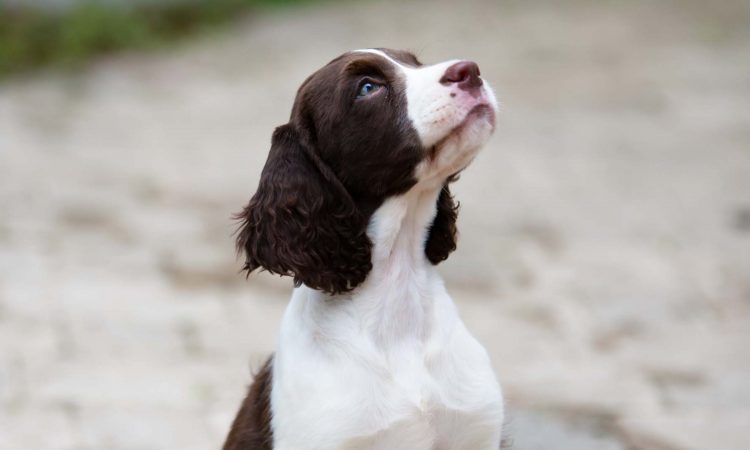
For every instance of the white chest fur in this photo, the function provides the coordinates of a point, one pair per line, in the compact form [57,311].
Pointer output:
[389,366]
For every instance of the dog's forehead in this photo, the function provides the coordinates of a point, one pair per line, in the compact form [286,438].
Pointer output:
[383,57]
[400,58]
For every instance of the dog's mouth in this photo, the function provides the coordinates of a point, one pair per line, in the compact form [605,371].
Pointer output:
[481,111]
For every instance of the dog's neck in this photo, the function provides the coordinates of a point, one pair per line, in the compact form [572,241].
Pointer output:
[398,230]
[396,297]
[394,304]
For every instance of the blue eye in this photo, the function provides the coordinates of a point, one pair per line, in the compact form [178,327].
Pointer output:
[367,89]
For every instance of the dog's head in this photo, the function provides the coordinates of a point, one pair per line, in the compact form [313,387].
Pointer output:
[369,125]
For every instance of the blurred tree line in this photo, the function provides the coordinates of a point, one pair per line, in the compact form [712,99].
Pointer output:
[65,34]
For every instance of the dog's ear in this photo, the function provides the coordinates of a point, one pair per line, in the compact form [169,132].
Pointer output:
[302,222]
[441,240]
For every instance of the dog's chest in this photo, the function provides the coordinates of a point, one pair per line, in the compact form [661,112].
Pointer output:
[418,409]
[430,393]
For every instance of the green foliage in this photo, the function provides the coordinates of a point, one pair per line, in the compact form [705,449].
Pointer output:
[34,37]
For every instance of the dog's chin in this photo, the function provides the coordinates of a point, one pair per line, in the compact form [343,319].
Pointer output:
[483,113]
[477,126]
[470,134]
[458,148]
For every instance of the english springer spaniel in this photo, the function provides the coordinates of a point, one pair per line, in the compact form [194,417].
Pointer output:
[354,203]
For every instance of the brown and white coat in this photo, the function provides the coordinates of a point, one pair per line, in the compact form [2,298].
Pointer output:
[354,203]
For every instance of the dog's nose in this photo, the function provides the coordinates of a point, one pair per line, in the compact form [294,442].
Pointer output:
[464,74]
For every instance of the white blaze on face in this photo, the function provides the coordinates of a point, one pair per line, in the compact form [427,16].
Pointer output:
[432,110]
[442,116]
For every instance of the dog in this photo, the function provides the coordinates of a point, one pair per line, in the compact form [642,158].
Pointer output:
[354,204]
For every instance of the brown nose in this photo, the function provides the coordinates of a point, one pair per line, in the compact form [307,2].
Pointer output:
[465,74]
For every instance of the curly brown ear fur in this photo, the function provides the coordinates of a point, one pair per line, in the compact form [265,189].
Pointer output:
[302,222]
[441,240]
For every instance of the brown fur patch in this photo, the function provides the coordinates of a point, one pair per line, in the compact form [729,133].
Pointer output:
[251,429]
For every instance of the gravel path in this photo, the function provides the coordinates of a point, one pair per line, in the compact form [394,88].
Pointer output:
[604,260]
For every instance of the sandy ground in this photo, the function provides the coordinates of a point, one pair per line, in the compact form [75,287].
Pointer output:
[605,251]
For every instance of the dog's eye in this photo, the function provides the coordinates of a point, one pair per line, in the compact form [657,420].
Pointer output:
[368,88]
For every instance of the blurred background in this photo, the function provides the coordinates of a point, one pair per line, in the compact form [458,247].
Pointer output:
[604,259]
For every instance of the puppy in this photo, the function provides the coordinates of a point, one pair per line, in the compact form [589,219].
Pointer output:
[354,204]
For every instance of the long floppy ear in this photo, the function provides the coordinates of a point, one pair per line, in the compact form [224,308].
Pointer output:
[441,240]
[302,222]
